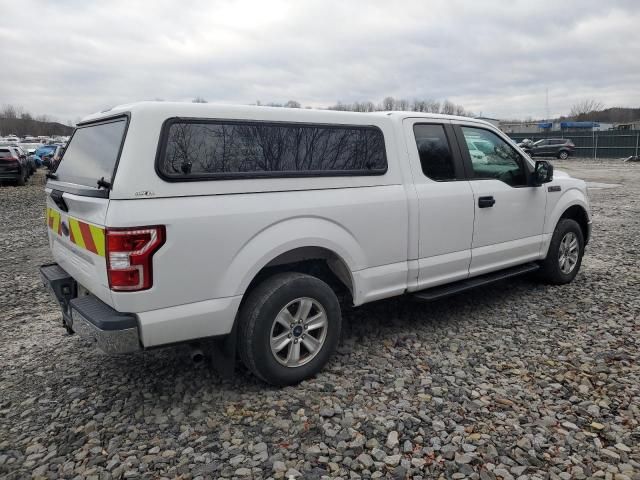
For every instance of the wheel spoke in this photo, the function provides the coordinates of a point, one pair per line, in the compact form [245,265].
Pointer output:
[303,310]
[281,341]
[285,318]
[315,322]
[293,357]
[311,343]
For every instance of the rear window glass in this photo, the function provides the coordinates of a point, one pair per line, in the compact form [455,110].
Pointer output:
[248,149]
[92,153]
[4,153]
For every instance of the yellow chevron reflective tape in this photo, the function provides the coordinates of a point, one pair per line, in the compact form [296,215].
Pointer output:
[98,239]
[56,221]
[74,226]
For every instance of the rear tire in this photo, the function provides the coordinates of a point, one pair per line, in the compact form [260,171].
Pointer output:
[565,253]
[288,328]
[563,155]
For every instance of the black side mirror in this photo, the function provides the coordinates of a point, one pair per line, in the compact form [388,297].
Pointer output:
[543,173]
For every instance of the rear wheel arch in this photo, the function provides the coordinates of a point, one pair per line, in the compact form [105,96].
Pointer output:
[319,262]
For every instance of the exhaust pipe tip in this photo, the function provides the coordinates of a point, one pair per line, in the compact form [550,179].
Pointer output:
[197,356]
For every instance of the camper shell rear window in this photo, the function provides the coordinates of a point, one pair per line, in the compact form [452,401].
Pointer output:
[93,152]
[200,149]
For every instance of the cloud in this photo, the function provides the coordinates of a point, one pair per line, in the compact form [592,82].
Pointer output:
[71,58]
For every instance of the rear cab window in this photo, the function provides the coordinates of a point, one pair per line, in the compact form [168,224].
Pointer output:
[92,153]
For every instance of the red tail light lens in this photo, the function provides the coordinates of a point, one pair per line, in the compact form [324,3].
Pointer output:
[129,256]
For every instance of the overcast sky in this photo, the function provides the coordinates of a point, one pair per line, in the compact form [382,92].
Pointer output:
[70,58]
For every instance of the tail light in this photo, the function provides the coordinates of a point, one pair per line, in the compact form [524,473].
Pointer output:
[129,256]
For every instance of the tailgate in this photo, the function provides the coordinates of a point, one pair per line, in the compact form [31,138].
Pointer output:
[77,239]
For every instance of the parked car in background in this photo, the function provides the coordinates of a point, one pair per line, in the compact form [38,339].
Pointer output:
[45,152]
[56,157]
[550,147]
[477,156]
[26,158]
[12,167]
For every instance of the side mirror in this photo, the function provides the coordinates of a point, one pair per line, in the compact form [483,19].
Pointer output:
[543,173]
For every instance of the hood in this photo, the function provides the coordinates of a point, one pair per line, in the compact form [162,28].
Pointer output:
[560,174]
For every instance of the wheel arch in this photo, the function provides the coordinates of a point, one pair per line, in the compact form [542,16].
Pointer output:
[579,214]
[327,249]
[320,262]
[573,204]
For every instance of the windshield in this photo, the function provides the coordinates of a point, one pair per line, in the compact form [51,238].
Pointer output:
[92,153]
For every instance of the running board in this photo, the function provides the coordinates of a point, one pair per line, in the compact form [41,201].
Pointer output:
[435,293]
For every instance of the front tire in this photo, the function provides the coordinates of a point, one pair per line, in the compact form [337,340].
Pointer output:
[288,328]
[563,155]
[565,253]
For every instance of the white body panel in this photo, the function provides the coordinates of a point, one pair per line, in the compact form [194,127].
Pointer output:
[393,233]
[510,232]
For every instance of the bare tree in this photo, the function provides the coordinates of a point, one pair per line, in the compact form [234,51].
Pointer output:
[199,100]
[9,112]
[402,104]
[585,109]
[448,108]
[292,104]
[388,103]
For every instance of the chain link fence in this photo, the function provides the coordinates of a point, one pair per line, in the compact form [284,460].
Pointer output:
[606,144]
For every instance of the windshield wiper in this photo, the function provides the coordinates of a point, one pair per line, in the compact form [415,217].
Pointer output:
[51,175]
[102,183]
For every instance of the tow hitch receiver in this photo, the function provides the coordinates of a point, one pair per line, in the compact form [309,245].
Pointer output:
[63,288]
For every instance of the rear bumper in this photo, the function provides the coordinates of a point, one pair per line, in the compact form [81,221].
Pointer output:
[89,317]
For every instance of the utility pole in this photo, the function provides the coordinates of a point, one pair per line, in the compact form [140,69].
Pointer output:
[546,103]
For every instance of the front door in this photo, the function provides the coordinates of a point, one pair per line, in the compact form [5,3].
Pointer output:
[445,202]
[509,213]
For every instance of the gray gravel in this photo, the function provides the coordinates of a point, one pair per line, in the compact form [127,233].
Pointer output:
[514,381]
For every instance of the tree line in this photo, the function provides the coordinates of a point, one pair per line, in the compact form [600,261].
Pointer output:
[16,121]
[387,104]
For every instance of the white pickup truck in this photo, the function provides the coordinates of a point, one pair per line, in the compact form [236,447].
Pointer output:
[173,222]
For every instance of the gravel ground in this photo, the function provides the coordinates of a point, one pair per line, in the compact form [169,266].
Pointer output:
[517,380]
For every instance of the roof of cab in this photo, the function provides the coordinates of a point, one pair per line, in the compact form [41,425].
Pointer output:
[212,110]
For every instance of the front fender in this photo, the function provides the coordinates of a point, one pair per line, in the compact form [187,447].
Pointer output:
[287,235]
[570,197]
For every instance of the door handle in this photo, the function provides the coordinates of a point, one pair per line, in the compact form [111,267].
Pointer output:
[486,202]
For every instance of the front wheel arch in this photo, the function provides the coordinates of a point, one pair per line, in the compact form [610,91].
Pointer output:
[579,214]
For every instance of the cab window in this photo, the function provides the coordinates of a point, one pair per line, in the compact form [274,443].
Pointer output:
[435,155]
[493,158]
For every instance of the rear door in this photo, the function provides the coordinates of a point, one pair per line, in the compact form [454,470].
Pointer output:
[77,206]
[445,202]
